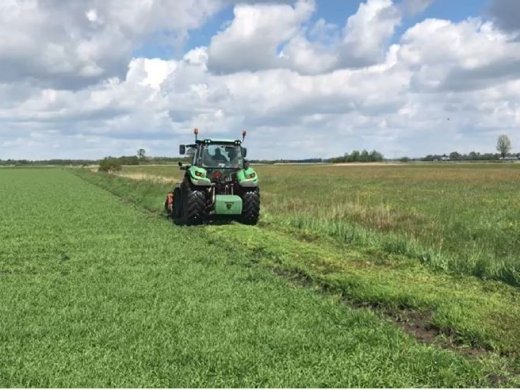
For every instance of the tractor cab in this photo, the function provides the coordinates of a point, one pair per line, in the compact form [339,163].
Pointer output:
[212,154]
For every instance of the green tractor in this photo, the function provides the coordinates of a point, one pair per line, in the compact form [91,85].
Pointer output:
[218,183]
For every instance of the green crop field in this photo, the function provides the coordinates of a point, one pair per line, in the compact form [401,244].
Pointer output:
[355,277]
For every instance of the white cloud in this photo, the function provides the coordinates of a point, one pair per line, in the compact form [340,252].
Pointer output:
[368,31]
[252,40]
[276,36]
[441,86]
[74,44]
[469,55]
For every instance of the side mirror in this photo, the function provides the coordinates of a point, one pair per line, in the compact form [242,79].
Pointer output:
[182,166]
[244,152]
[182,149]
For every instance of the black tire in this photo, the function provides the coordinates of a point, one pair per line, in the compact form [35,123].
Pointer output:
[194,207]
[250,207]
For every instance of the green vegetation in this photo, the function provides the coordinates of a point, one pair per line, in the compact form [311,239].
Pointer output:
[471,157]
[123,160]
[454,311]
[461,219]
[433,245]
[357,156]
[96,292]
[109,164]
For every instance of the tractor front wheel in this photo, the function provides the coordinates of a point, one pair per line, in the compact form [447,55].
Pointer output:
[250,207]
[194,207]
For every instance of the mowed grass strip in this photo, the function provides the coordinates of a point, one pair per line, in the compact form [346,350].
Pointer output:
[96,293]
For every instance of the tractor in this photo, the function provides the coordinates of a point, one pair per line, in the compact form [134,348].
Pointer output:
[218,183]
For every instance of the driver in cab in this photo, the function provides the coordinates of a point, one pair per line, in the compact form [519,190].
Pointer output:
[219,157]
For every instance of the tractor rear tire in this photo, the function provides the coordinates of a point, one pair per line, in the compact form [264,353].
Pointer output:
[250,207]
[194,207]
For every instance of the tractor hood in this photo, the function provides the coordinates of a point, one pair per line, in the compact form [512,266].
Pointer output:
[247,177]
[198,176]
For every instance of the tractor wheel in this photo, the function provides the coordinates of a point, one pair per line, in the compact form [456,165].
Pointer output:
[194,207]
[250,207]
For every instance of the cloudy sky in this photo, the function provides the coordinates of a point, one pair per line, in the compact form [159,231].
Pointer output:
[306,78]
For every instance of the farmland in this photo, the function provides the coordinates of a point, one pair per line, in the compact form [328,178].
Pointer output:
[356,276]
[461,218]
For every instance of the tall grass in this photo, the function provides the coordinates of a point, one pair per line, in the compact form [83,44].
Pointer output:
[457,218]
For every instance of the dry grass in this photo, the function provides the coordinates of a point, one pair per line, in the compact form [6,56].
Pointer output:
[146,177]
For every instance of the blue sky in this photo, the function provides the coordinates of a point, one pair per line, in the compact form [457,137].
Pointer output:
[456,10]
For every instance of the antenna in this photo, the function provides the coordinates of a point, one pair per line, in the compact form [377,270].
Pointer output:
[244,133]
[196,132]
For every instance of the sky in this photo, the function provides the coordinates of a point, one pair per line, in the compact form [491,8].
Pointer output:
[86,79]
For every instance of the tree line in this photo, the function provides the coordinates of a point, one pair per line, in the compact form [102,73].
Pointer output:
[114,163]
[472,156]
[503,148]
[359,156]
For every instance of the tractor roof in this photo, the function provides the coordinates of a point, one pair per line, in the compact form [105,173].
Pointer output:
[219,142]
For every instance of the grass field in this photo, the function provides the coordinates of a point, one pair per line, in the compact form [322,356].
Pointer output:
[333,288]
[461,218]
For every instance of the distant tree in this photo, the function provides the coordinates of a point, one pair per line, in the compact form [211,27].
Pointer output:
[354,156]
[375,156]
[504,145]
[404,159]
[357,156]
[141,154]
[455,156]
